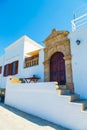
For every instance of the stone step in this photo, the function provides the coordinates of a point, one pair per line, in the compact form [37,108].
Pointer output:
[62,87]
[63,92]
[72,97]
[83,102]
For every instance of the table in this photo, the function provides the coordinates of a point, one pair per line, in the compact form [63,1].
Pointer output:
[31,79]
[34,79]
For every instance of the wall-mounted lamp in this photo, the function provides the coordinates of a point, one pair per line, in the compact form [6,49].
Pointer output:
[78,42]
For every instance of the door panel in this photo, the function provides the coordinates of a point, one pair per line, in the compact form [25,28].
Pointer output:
[57,68]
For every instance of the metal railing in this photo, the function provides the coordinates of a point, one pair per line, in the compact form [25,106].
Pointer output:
[79,22]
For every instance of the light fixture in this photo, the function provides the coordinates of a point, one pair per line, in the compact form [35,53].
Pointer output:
[78,42]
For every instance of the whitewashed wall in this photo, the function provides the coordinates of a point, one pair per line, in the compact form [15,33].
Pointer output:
[79,60]
[12,53]
[41,99]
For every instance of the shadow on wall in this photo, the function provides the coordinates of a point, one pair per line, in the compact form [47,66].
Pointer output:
[32,118]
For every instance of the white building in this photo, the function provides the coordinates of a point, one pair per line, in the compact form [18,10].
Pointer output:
[62,60]
[23,58]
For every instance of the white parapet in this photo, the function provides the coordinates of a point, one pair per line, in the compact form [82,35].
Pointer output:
[42,100]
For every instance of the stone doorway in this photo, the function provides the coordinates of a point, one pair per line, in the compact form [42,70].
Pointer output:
[58,42]
[57,68]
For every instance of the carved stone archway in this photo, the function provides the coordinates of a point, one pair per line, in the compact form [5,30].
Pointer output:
[58,41]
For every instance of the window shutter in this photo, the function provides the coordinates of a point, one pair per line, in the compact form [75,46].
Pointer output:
[10,69]
[4,70]
[14,68]
[16,72]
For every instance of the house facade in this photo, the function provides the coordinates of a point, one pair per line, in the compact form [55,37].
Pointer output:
[23,58]
[62,60]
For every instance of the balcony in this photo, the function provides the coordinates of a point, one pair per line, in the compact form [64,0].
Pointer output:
[31,61]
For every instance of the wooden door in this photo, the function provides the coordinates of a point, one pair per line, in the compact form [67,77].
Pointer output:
[57,68]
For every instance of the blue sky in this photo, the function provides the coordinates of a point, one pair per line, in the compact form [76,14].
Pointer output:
[35,18]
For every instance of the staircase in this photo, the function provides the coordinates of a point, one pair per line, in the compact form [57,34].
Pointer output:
[74,98]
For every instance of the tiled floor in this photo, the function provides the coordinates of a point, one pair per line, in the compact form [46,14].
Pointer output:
[13,119]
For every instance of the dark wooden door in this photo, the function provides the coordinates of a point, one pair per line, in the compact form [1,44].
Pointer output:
[57,68]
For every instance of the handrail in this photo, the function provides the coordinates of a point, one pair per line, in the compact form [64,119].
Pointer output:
[79,22]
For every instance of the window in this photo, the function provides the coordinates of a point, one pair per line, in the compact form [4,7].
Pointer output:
[14,67]
[0,69]
[6,70]
[11,69]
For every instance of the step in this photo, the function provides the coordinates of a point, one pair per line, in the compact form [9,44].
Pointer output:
[62,87]
[83,102]
[63,92]
[73,97]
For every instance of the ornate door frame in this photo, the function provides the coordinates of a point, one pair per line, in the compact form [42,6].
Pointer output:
[58,41]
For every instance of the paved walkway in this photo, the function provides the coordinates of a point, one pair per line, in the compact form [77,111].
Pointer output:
[13,119]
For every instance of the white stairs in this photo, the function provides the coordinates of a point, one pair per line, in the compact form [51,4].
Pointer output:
[74,98]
